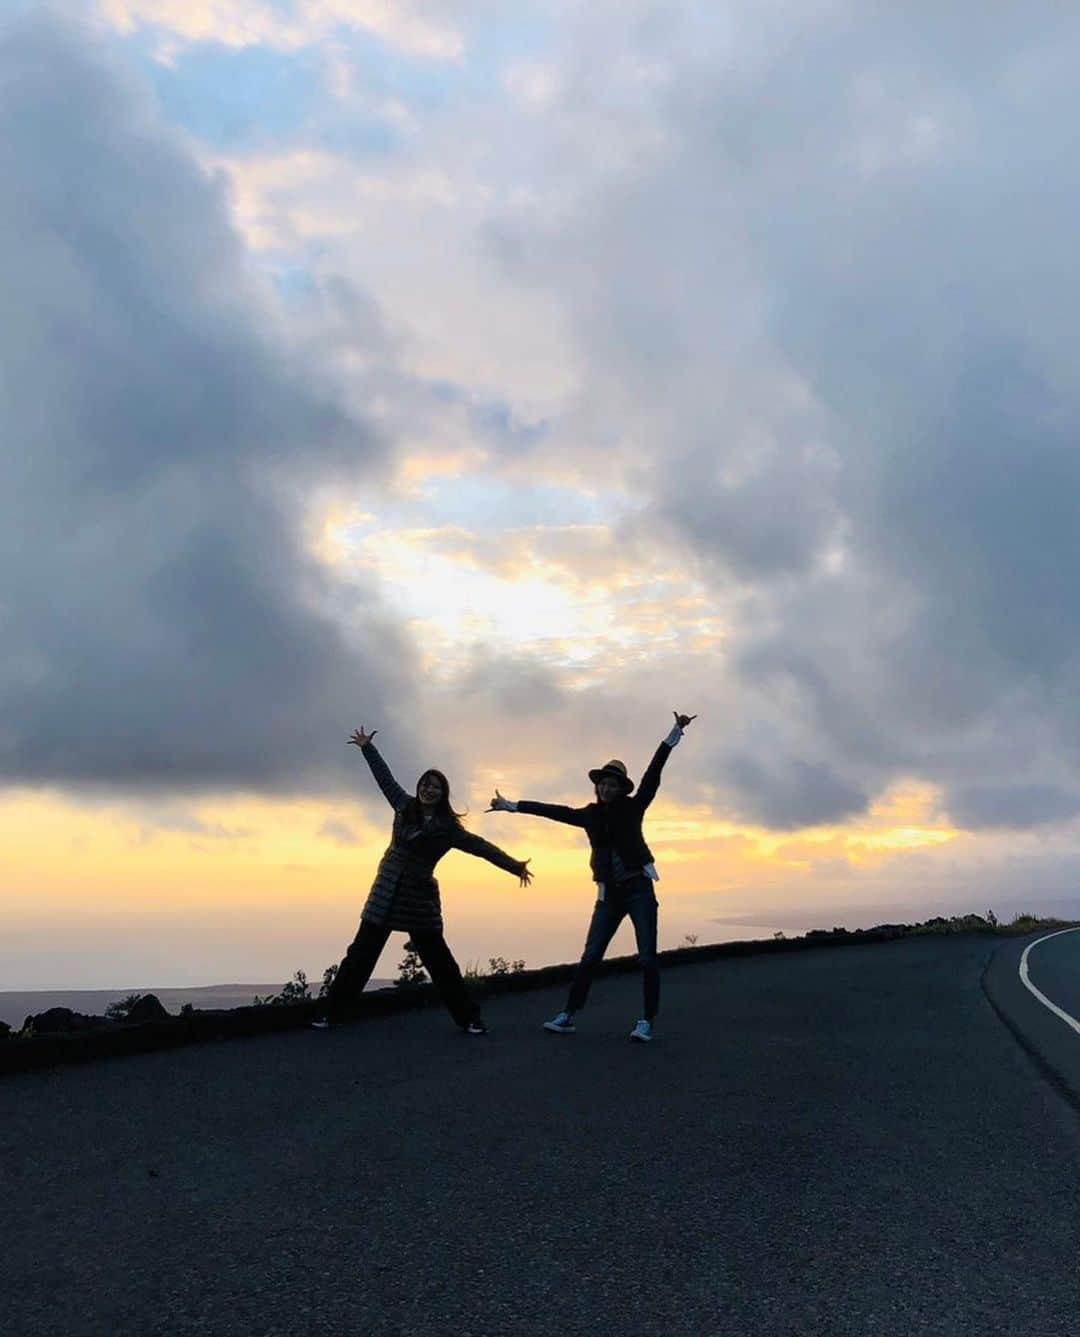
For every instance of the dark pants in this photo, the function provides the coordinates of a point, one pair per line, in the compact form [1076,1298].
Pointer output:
[355,970]
[634,897]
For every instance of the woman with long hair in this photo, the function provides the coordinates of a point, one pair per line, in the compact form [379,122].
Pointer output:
[405,895]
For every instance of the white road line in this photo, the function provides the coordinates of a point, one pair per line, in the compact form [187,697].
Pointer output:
[1026,980]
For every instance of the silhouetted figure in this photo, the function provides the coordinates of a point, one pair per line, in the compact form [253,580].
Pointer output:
[405,894]
[624,872]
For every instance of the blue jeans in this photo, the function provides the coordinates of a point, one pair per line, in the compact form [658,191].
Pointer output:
[634,897]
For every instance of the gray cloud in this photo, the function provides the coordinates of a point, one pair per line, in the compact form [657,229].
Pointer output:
[510,686]
[792,792]
[813,265]
[341,833]
[830,301]
[1012,805]
[162,625]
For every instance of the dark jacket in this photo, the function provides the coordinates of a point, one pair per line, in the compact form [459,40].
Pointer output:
[405,894]
[615,825]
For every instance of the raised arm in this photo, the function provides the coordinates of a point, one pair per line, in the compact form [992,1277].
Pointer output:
[650,781]
[484,849]
[555,812]
[395,795]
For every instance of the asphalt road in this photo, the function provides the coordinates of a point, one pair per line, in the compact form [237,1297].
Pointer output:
[1053,970]
[839,1141]
[1052,967]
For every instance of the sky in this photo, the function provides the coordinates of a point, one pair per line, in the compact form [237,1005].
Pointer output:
[505,378]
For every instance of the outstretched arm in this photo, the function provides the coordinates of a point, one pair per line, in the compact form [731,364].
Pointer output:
[555,812]
[650,781]
[484,849]
[395,795]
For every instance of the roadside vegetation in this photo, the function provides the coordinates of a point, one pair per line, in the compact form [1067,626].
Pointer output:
[122,1008]
[1020,924]
[296,990]
[411,973]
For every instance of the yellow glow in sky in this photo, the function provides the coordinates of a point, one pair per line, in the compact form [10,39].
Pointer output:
[251,888]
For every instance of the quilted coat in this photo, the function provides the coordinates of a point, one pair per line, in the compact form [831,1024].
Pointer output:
[405,894]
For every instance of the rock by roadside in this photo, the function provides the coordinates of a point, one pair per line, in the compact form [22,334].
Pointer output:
[61,1021]
[146,1008]
[66,1021]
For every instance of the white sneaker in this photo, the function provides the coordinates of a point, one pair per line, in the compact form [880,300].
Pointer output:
[642,1031]
[563,1024]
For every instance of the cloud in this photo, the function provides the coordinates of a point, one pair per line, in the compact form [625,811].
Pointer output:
[298,23]
[779,290]
[340,833]
[510,688]
[1013,805]
[822,312]
[163,626]
[793,792]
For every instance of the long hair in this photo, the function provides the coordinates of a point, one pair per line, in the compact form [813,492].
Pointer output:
[415,813]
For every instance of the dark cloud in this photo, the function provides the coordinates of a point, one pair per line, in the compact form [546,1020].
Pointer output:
[1012,805]
[790,792]
[162,625]
[510,686]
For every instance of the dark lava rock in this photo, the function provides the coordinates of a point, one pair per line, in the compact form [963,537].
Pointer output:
[61,1020]
[147,1008]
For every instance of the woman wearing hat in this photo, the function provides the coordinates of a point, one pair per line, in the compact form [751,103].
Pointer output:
[623,869]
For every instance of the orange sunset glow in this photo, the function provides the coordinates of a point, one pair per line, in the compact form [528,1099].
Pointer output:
[294,874]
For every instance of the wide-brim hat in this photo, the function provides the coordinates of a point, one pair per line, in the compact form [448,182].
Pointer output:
[614,770]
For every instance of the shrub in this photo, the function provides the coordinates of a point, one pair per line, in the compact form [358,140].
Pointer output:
[119,1010]
[498,965]
[297,990]
[410,971]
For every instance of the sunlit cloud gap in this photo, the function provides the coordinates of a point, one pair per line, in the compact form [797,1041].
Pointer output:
[287,26]
[566,590]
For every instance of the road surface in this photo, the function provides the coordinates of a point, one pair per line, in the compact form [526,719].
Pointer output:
[857,1140]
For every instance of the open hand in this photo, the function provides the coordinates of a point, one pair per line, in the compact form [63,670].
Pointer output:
[498,804]
[525,877]
[683,720]
[360,738]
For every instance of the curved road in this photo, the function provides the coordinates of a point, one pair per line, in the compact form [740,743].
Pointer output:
[1051,960]
[1035,984]
[836,1141]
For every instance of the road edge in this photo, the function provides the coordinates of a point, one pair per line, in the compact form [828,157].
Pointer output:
[1047,1042]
